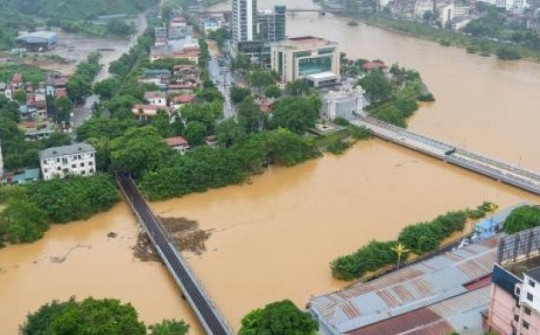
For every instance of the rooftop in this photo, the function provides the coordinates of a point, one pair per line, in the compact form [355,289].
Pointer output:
[306,41]
[154,95]
[535,274]
[66,150]
[432,281]
[176,141]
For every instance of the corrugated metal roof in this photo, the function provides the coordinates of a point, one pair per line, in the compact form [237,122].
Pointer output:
[414,287]
[457,313]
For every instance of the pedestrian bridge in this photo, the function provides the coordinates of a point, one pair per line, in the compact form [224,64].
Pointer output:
[504,172]
[209,316]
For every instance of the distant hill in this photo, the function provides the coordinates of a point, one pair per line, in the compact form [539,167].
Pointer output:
[76,9]
[16,15]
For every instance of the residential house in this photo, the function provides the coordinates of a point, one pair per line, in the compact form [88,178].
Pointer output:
[180,100]
[211,140]
[17,82]
[74,159]
[21,177]
[156,98]
[146,112]
[178,22]
[375,65]
[186,77]
[178,143]
[158,77]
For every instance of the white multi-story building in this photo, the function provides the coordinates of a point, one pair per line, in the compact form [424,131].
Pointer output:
[244,20]
[347,103]
[74,159]
[306,57]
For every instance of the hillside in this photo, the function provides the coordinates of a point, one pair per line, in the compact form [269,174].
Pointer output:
[75,9]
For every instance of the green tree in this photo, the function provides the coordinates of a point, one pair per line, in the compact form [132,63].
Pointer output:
[522,218]
[249,115]
[169,327]
[273,91]
[119,27]
[162,123]
[238,94]
[229,132]
[20,96]
[195,133]
[138,150]
[22,221]
[297,87]
[106,88]
[296,113]
[90,317]
[377,86]
[281,317]
[63,108]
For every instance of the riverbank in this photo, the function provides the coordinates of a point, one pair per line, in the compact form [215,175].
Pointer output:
[473,45]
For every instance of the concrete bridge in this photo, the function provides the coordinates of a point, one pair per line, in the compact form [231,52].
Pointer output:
[504,172]
[209,316]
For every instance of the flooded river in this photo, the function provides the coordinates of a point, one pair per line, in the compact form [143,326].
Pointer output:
[273,238]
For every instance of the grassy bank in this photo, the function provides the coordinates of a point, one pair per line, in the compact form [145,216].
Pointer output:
[481,46]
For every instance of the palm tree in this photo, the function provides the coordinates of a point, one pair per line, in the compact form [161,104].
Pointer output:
[399,249]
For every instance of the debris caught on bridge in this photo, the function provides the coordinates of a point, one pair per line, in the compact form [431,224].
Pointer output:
[185,233]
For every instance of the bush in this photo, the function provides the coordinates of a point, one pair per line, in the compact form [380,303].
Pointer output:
[522,218]
[338,147]
[360,133]
[507,53]
[370,257]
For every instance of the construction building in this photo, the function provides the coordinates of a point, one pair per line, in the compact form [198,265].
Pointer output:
[244,20]
[271,25]
[37,40]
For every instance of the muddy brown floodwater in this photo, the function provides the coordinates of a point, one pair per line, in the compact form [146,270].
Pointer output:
[274,239]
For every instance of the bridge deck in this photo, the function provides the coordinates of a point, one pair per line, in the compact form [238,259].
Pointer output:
[210,318]
[491,167]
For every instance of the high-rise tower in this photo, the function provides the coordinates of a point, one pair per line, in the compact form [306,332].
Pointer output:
[244,20]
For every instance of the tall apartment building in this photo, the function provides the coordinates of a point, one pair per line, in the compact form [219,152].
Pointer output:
[74,159]
[271,24]
[244,20]
[514,306]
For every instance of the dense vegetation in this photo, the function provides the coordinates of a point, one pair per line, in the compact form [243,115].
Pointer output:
[281,317]
[487,35]
[79,85]
[94,317]
[419,238]
[31,207]
[17,152]
[522,218]
[30,73]
[204,168]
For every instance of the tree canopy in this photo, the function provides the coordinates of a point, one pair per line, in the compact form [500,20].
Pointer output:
[297,113]
[522,218]
[278,318]
[94,317]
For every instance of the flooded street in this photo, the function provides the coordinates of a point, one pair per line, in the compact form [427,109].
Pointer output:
[274,238]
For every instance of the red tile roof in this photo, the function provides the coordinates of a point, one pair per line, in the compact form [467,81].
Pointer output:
[17,78]
[176,141]
[374,65]
[183,99]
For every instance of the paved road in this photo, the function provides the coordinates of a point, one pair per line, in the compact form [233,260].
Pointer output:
[207,314]
[223,79]
[83,113]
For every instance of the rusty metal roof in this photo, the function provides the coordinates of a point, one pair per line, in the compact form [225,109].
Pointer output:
[423,284]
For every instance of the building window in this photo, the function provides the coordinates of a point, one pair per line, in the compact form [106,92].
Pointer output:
[518,291]
[45,170]
[529,296]
[82,164]
[58,168]
[525,325]
[531,283]
[73,166]
[527,311]
[516,318]
[90,163]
